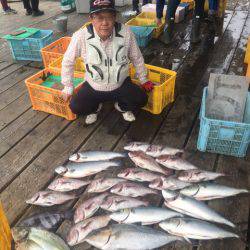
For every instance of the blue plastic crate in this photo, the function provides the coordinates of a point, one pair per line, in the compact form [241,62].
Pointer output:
[29,48]
[143,35]
[224,137]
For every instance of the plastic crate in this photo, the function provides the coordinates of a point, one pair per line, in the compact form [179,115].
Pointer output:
[248,71]
[150,15]
[190,2]
[146,22]
[163,92]
[29,48]
[143,35]
[54,50]
[224,137]
[247,55]
[48,99]
[79,66]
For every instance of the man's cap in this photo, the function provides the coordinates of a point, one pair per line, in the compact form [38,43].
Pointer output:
[101,5]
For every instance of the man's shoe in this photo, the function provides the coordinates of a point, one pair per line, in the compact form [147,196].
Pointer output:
[167,36]
[195,32]
[92,118]
[38,13]
[28,12]
[9,11]
[128,116]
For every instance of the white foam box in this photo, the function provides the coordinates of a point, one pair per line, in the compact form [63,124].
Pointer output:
[151,7]
[179,14]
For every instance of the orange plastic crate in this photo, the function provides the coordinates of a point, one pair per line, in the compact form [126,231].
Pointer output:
[47,99]
[54,50]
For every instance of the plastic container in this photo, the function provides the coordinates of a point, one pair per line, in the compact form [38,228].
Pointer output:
[79,66]
[224,137]
[247,55]
[55,50]
[48,99]
[150,15]
[190,2]
[68,6]
[146,22]
[163,92]
[61,23]
[29,48]
[5,233]
[143,35]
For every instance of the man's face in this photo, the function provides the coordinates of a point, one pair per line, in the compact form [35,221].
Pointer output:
[103,23]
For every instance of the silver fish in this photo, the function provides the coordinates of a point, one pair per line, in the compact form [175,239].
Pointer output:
[152,149]
[209,191]
[66,184]
[138,174]
[88,207]
[96,156]
[147,162]
[192,207]
[130,237]
[79,170]
[31,238]
[131,189]
[144,215]
[47,220]
[195,229]
[175,162]
[171,183]
[50,198]
[117,202]
[103,184]
[198,175]
[79,231]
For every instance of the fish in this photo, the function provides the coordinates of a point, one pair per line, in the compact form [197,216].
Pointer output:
[175,162]
[88,207]
[117,202]
[195,229]
[66,184]
[130,237]
[198,175]
[47,220]
[209,191]
[96,156]
[193,208]
[103,184]
[144,215]
[31,238]
[152,149]
[83,169]
[171,183]
[131,189]
[147,162]
[50,198]
[138,174]
[79,231]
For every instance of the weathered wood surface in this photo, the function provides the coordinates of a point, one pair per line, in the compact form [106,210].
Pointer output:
[33,143]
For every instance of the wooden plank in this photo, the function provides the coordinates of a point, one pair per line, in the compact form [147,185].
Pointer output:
[14,92]
[14,110]
[8,70]
[4,65]
[242,5]
[223,54]
[18,129]
[16,160]
[41,170]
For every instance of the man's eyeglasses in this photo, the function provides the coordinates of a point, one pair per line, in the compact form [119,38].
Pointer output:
[100,18]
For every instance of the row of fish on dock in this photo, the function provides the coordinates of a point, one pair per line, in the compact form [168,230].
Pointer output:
[160,171]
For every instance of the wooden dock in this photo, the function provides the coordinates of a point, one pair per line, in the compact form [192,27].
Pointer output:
[33,143]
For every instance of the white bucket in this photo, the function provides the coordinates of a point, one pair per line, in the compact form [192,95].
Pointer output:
[61,23]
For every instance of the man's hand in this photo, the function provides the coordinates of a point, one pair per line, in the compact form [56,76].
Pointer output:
[148,86]
[158,22]
[67,93]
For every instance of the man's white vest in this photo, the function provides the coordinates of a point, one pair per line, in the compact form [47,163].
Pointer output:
[101,68]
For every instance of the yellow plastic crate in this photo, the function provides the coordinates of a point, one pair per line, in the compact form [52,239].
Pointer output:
[191,3]
[147,22]
[5,234]
[247,55]
[150,15]
[163,92]
[79,66]
[248,71]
